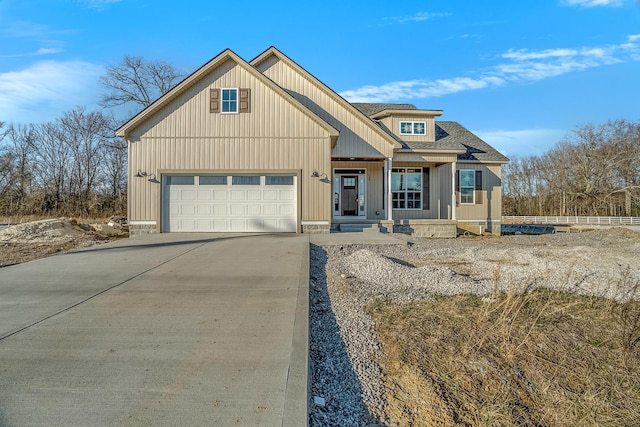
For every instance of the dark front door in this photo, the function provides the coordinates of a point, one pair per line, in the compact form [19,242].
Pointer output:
[349,197]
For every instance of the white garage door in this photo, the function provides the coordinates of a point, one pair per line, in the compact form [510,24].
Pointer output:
[229,203]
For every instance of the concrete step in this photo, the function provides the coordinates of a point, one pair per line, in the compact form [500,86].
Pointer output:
[359,228]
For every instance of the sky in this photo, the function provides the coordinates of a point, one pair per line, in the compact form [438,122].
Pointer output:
[521,74]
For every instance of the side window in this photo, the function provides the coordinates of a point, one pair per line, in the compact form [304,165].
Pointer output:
[467,186]
[229,100]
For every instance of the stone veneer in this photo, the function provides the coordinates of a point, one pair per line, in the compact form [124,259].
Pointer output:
[438,229]
[138,230]
[316,229]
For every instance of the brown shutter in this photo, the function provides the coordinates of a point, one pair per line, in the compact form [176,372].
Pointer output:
[214,106]
[425,189]
[478,195]
[245,101]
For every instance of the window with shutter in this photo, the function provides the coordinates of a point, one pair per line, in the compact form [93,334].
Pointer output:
[478,190]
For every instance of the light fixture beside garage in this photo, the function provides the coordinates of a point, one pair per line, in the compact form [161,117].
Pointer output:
[143,174]
[315,174]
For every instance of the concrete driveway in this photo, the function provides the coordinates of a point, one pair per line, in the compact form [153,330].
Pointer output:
[206,329]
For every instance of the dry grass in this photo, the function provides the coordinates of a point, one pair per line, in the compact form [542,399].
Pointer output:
[542,359]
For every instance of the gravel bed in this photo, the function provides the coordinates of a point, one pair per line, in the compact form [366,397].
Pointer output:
[346,382]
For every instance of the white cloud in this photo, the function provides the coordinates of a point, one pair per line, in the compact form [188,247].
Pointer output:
[44,90]
[523,65]
[418,17]
[633,38]
[594,3]
[523,142]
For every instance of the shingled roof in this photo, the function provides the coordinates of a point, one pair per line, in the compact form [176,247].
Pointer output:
[449,136]
[477,149]
[370,109]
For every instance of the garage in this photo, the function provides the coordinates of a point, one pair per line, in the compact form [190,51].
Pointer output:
[229,203]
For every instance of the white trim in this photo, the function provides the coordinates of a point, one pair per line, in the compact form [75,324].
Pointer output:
[142,222]
[237,100]
[413,124]
[315,223]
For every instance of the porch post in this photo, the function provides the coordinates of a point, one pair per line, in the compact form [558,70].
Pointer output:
[387,175]
[453,191]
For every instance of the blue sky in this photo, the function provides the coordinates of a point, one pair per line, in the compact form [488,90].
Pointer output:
[519,73]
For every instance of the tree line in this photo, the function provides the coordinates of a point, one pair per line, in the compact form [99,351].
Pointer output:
[74,165]
[594,171]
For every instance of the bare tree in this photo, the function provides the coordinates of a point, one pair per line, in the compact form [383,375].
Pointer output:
[137,81]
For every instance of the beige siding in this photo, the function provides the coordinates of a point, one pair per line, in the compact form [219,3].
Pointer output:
[424,158]
[393,124]
[491,207]
[188,114]
[375,188]
[357,137]
[184,135]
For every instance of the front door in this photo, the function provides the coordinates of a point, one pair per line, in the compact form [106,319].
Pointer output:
[349,196]
[349,193]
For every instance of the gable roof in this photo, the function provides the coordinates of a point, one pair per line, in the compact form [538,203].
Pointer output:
[273,51]
[124,130]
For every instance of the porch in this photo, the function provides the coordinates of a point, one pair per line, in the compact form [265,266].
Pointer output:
[427,228]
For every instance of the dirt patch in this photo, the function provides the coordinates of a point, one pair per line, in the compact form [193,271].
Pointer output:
[38,239]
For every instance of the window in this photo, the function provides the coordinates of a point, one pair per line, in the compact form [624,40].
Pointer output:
[213,180]
[413,128]
[467,186]
[245,180]
[229,100]
[278,180]
[180,180]
[406,188]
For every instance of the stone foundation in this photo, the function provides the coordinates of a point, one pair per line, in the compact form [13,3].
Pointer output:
[429,228]
[138,230]
[316,228]
[473,228]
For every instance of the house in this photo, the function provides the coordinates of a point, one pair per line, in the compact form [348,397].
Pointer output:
[264,146]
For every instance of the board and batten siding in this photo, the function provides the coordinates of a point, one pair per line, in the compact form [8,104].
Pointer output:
[491,206]
[393,124]
[184,135]
[357,137]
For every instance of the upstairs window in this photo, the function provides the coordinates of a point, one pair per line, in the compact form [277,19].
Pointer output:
[413,128]
[229,100]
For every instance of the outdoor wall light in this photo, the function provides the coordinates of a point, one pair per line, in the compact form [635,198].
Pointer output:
[315,174]
[143,174]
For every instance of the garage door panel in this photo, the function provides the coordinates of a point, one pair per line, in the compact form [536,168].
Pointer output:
[254,194]
[237,210]
[204,195]
[270,195]
[253,210]
[204,210]
[286,195]
[238,195]
[193,205]
[220,195]
[220,210]
[187,195]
